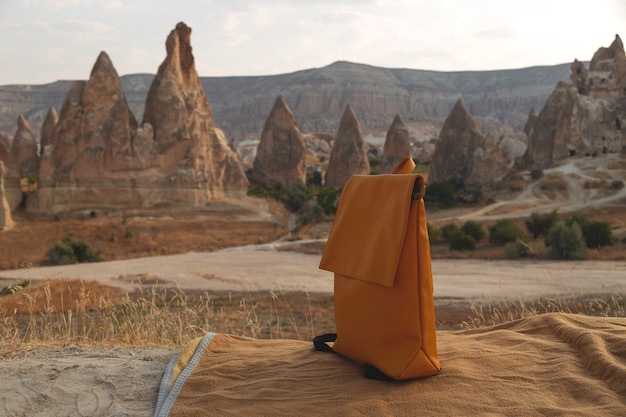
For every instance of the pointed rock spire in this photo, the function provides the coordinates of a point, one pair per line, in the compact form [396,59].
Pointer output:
[5,151]
[280,156]
[349,153]
[397,145]
[455,147]
[47,129]
[24,149]
[180,117]
[530,123]
[6,222]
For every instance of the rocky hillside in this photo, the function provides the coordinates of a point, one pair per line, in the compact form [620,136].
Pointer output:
[497,99]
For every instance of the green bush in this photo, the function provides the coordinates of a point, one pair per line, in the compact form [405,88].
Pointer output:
[69,251]
[328,198]
[598,234]
[434,233]
[566,242]
[441,193]
[595,233]
[461,241]
[536,174]
[448,229]
[505,231]
[540,224]
[474,229]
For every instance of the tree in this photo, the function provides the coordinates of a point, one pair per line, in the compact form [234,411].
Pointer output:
[540,224]
[566,242]
[505,231]
[474,229]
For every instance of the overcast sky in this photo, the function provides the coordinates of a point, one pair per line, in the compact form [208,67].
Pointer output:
[45,40]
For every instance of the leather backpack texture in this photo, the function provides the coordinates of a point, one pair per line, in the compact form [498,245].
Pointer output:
[379,252]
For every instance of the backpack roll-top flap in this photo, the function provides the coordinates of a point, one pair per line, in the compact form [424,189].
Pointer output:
[367,236]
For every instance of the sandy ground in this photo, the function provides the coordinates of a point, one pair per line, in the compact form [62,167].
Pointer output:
[77,381]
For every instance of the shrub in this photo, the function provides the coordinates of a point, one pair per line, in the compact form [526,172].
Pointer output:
[595,233]
[540,224]
[598,234]
[441,193]
[69,251]
[461,241]
[505,231]
[434,233]
[536,174]
[510,251]
[566,242]
[474,229]
[448,230]
[328,198]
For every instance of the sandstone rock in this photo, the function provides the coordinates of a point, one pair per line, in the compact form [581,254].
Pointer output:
[280,156]
[606,77]
[6,222]
[191,152]
[100,158]
[397,145]
[24,152]
[47,129]
[349,153]
[523,249]
[454,151]
[5,150]
[572,124]
[530,123]
[489,164]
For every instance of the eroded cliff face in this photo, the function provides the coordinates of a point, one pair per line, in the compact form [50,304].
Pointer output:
[24,150]
[99,157]
[349,152]
[281,154]
[585,116]
[6,221]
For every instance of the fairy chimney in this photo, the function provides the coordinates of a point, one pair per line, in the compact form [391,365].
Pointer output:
[280,156]
[47,129]
[6,222]
[191,151]
[349,154]
[24,149]
[397,145]
[454,151]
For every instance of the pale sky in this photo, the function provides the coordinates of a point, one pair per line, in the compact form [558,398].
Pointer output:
[45,40]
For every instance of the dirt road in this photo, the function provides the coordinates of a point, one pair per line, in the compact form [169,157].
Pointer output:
[262,267]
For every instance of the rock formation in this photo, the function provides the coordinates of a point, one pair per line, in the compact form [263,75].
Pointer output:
[100,158]
[5,150]
[24,151]
[280,156]
[349,154]
[6,222]
[192,153]
[397,145]
[606,77]
[530,123]
[585,116]
[47,129]
[489,163]
[458,139]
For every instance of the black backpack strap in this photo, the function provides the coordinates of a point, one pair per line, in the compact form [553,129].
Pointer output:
[320,343]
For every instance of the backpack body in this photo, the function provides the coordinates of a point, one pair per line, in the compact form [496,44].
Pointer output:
[379,252]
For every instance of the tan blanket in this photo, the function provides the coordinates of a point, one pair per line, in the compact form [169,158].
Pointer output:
[548,365]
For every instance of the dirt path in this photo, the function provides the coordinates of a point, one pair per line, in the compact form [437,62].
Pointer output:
[262,267]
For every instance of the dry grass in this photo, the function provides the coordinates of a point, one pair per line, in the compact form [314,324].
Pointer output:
[497,311]
[84,312]
[164,317]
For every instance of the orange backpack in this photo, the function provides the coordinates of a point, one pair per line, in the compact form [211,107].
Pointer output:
[379,252]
